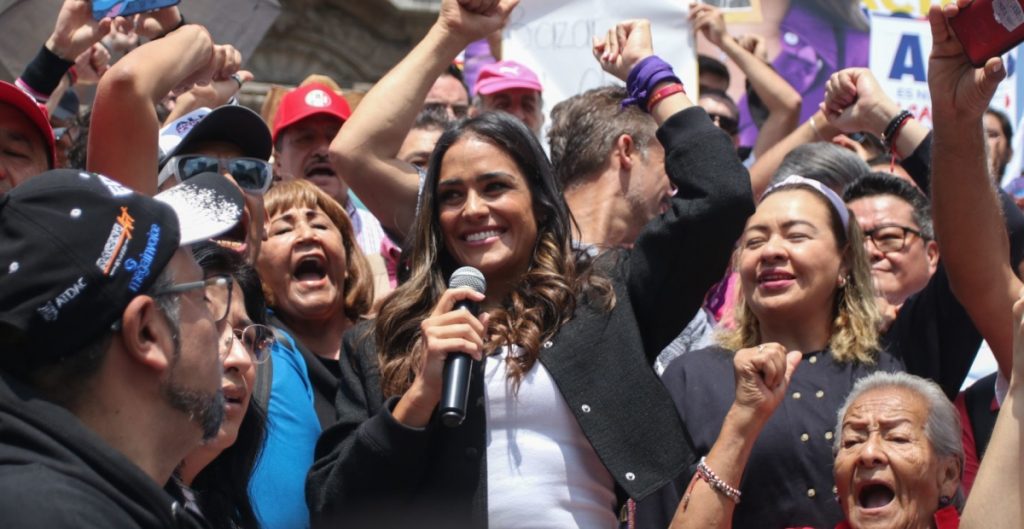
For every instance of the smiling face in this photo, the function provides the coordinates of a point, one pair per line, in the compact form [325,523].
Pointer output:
[303,264]
[887,473]
[899,274]
[302,152]
[789,261]
[485,210]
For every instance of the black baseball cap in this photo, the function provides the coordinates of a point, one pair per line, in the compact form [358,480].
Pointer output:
[229,123]
[77,247]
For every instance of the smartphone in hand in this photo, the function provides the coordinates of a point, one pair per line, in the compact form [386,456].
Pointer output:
[121,8]
[989,28]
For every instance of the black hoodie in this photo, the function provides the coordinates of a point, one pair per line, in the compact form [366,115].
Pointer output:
[56,473]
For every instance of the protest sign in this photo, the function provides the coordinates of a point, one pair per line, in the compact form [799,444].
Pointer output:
[555,39]
[899,59]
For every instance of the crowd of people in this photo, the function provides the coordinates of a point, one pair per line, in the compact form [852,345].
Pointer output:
[217,318]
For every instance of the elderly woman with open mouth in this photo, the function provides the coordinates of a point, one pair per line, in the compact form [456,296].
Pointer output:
[318,285]
[898,456]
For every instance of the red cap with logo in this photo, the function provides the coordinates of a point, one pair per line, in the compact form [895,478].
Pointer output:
[36,113]
[306,101]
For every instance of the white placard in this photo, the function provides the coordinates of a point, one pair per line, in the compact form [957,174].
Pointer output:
[899,59]
[554,39]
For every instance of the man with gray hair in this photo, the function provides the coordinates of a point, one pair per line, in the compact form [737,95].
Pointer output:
[109,370]
[610,164]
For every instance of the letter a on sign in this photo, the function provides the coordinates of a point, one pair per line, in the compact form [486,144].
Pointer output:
[909,60]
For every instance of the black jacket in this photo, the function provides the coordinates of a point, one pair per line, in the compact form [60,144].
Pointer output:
[56,473]
[372,471]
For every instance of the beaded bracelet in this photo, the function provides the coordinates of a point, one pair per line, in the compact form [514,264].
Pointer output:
[716,483]
[893,128]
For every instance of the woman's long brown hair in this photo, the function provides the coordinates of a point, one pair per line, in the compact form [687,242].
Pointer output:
[543,299]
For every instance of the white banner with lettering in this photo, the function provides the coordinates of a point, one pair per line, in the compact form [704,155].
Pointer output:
[555,39]
[899,59]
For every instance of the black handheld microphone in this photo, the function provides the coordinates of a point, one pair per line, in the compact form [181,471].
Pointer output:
[455,386]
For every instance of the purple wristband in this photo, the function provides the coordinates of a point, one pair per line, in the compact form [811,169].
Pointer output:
[644,77]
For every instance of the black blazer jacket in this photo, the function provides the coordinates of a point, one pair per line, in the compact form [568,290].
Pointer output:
[372,471]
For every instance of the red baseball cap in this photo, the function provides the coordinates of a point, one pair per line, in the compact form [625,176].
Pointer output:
[35,112]
[309,100]
[505,75]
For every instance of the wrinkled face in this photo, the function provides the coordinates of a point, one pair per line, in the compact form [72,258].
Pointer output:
[192,384]
[522,103]
[649,186]
[999,151]
[248,236]
[897,274]
[449,92]
[22,151]
[418,146]
[239,371]
[886,472]
[789,262]
[303,153]
[303,264]
[486,210]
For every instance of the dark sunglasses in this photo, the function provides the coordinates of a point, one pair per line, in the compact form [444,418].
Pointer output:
[252,174]
[729,125]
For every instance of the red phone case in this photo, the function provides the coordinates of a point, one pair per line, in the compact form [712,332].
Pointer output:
[988,28]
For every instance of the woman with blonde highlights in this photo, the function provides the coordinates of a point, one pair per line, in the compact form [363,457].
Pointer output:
[805,290]
[565,414]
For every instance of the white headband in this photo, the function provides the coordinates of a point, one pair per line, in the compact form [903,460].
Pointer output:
[833,198]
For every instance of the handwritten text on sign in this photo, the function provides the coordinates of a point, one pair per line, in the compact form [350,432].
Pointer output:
[555,38]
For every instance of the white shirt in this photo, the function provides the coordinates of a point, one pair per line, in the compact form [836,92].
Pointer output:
[542,471]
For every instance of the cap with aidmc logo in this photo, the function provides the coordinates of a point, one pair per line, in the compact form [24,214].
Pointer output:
[307,101]
[77,247]
[505,75]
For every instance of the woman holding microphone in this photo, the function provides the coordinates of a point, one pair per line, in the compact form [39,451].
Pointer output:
[566,418]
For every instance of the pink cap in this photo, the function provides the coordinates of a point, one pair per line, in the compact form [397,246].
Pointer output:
[505,75]
[306,101]
[35,112]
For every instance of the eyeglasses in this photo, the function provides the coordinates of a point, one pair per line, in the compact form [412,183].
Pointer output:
[72,132]
[217,294]
[257,340]
[457,110]
[726,123]
[891,238]
[252,174]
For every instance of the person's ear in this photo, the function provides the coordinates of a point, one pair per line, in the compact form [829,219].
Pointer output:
[146,334]
[931,249]
[950,470]
[623,151]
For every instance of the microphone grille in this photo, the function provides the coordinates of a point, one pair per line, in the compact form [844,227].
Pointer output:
[467,276]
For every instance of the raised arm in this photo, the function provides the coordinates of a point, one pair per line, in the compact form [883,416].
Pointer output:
[854,102]
[975,253]
[817,128]
[782,100]
[682,252]
[365,151]
[996,499]
[124,127]
[762,376]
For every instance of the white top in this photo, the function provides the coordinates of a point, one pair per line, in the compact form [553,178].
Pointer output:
[541,470]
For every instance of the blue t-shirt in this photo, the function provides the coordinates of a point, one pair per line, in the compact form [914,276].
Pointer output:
[277,488]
